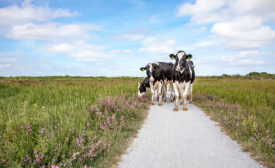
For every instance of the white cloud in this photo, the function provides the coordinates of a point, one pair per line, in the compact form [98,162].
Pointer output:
[239,24]
[135,35]
[80,50]
[8,56]
[212,11]
[32,22]
[49,31]
[244,33]
[158,46]
[199,30]
[4,66]
[121,51]
[14,15]
[204,43]
[203,11]
[128,36]
[250,57]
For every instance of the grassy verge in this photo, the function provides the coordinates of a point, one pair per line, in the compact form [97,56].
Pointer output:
[246,111]
[67,122]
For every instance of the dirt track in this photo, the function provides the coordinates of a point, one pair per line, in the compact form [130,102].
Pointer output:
[183,139]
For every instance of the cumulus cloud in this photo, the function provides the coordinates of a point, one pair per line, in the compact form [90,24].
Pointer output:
[4,66]
[8,56]
[131,36]
[32,22]
[239,24]
[212,11]
[49,31]
[204,43]
[14,15]
[121,51]
[80,50]
[250,57]
[203,11]
[244,33]
[158,46]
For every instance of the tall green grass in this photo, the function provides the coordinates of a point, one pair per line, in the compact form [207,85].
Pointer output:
[245,108]
[67,122]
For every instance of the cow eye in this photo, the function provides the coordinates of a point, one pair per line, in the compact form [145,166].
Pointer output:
[156,67]
[144,85]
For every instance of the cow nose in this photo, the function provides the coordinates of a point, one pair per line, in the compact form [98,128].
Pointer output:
[178,68]
[151,79]
[140,96]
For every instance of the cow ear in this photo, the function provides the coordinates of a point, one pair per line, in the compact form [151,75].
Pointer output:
[189,56]
[143,68]
[172,56]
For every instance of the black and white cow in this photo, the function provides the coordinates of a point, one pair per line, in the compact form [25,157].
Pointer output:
[143,86]
[183,77]
[159,75]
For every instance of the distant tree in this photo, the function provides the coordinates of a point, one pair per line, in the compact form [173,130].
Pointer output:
[253,74]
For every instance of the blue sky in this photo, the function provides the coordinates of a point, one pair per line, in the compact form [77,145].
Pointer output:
[116,38]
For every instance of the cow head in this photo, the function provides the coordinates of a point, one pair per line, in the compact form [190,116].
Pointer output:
[142,87]
[141,90]
[150,69]
[180,59]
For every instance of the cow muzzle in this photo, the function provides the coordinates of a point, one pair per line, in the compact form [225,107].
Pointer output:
[179,69]
[151,79]
[140,95]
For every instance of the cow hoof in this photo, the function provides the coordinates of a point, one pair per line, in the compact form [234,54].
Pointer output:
[160,104]
[185,109]
[181,103]
[190,102]
[164,100]
[171,100]
[175,109]
[152,103]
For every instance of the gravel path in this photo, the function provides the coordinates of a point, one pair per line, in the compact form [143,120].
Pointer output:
[183,139]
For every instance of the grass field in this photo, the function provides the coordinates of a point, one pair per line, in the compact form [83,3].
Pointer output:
[67,121]
[77,122]
[245,108]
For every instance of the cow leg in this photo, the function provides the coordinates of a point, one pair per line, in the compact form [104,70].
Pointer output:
[171,91]
[160,92]
[164,90]
[181,96]
[176,90]
[153,93]
[184,95]
[190,93]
